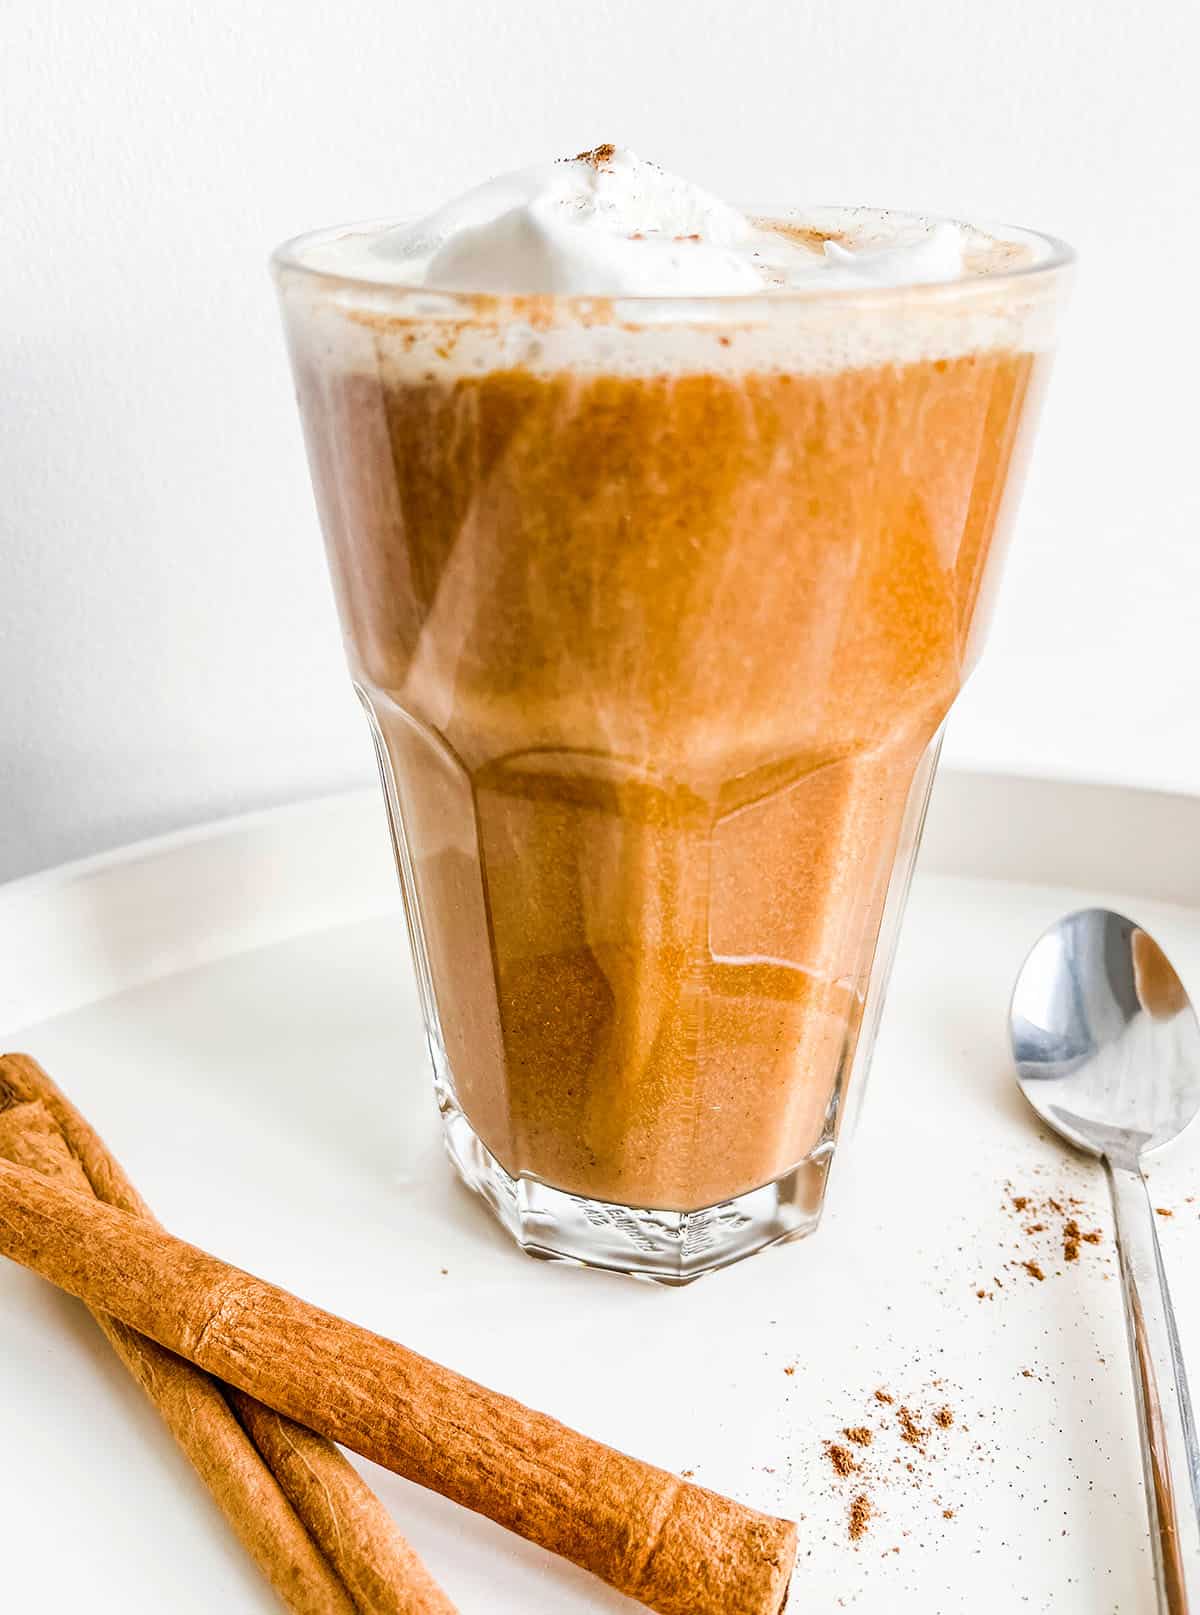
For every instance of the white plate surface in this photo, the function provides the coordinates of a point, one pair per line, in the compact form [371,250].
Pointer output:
[234,1010]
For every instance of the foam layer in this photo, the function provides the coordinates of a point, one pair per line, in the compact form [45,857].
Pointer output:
[422,336]
[605,262]
[607,224]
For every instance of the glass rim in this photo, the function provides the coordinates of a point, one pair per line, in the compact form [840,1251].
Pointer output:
[1055,256]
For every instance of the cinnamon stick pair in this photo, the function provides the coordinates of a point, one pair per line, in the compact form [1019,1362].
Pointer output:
[672,1545]
[301,1510]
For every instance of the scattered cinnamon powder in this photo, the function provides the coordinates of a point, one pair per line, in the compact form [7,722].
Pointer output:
[848,1457]
[1163,1211]
[791,1369]
[910,1430]
[598,156]
[947,1513]
[1073,1235]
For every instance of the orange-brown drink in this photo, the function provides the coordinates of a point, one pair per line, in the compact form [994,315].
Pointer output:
[662,541]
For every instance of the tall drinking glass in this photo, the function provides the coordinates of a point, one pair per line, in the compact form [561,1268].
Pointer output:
[656,608]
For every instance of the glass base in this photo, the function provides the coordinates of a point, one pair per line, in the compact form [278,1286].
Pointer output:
[665,1247]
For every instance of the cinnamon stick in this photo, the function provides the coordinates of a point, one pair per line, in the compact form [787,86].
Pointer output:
[674,1546]
[196,1413]
[264,1472]
[355,1531]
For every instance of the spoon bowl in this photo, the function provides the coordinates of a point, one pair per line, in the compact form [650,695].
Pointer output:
[1106,1042]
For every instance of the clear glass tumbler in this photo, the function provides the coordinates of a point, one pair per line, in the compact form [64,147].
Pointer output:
[656,608]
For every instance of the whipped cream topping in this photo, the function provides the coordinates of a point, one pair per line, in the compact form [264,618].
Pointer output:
[608,224]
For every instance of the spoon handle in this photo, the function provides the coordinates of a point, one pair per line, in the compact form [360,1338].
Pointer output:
[1169,1452]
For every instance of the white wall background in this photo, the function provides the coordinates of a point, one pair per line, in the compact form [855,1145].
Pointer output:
[167,648]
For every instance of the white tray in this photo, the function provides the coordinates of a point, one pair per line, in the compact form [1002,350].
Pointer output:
[233,1009]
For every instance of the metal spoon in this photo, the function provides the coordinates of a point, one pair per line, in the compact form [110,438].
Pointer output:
[1107,1047]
